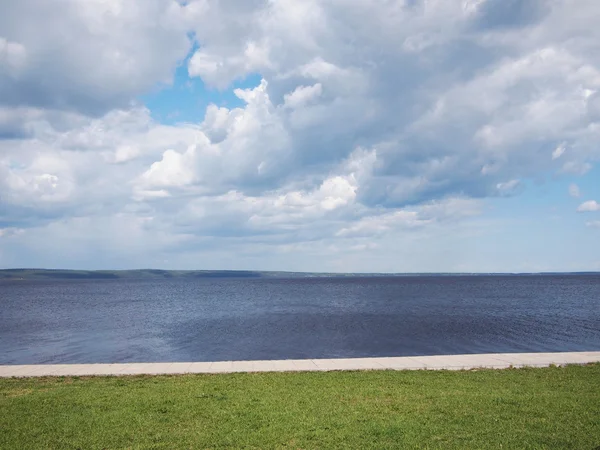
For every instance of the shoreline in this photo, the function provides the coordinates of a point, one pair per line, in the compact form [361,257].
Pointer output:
[439,362]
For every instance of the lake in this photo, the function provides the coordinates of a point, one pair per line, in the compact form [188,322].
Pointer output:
[212,319]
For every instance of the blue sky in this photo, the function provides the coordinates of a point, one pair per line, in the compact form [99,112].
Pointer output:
[185,98]
[406,136]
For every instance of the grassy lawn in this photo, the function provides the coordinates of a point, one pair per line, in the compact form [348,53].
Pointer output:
[517,408]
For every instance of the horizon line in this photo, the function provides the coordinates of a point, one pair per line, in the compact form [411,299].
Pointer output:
[305,272]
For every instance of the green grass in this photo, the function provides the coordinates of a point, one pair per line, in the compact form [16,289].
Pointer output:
[518,408]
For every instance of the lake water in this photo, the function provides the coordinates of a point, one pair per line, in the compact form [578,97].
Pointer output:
[247,319]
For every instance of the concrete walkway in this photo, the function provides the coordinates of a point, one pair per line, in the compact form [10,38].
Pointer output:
[443,362]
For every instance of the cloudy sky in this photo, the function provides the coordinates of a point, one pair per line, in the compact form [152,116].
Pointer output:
[302,135]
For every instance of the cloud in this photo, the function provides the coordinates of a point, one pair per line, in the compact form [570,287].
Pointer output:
[89,56]
[453,209]
[126,153]
[302,95]
[13,57]
[574,190]
[371,121]
[246,149]
[483,119]
[576,167]
[593,224]
[558,151]
[509,187]
[589,206]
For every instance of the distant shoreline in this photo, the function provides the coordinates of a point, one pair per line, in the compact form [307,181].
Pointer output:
[70,274]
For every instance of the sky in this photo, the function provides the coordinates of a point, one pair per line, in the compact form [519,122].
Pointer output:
[300,135]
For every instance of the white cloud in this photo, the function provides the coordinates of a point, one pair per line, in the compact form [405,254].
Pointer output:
[576,167]
[47,180]
[593,224]
[558,151]
[231,149]
[447,210]
[302,95]
[589,206]
[89,56]
[371,120]
[126,153]
[574,191]
[174,169]
[221,73]
[508,187]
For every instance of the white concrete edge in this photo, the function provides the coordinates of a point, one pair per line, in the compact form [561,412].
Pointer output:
[441,362]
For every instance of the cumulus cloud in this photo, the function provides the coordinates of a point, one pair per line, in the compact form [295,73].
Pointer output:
[589,206]
[302,94]
[369,119]
[485,119]
[126,153]
[244,149]
[89,56]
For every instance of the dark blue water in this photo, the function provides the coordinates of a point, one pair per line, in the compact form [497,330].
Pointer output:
[244,319]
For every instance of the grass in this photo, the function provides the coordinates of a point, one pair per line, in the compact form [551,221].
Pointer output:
[556,407]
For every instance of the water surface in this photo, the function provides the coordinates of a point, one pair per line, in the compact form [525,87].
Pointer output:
[211,319]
